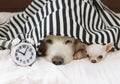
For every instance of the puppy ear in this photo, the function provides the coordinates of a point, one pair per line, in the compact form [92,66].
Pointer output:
[42,49]
[108,47]
[79,46]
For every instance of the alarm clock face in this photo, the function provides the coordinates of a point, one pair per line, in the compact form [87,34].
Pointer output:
[23,54]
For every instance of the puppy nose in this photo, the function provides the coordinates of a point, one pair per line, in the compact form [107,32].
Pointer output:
[57,60]
[93,61]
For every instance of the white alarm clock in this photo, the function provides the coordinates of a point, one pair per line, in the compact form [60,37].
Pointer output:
[23,53]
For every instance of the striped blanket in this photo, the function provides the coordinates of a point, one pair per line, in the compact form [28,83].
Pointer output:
[87,20]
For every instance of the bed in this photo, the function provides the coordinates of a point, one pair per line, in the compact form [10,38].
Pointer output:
[44,72]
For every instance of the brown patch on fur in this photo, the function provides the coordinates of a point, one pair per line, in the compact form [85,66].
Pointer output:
[80,50]
[42,49]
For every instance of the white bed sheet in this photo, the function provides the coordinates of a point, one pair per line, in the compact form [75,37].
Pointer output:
[76,72]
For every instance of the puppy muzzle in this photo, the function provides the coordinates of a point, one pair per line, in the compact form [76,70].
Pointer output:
[57,60]
[93,61]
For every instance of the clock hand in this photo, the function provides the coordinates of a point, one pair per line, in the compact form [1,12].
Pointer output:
[21,52]
[25,50]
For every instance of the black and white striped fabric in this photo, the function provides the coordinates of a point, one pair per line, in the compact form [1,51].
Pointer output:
[87,20]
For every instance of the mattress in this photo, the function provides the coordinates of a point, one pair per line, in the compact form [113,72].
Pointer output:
[44,72]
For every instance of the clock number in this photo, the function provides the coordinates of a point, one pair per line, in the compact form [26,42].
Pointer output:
[20,60]
[32,53]
[16,54]
[17,50]
[24,46]
[20,47]
[17,58]
[28,60]
[31,57]
[30,49]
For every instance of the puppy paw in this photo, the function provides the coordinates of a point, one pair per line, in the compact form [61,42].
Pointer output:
[77,55]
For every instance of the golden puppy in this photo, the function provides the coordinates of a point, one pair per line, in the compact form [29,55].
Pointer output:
[61,49]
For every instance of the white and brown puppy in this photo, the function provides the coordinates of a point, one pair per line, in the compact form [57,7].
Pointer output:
[61,49]
[97,52]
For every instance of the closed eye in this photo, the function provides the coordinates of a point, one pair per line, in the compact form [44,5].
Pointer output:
[49,41]
[68,41]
